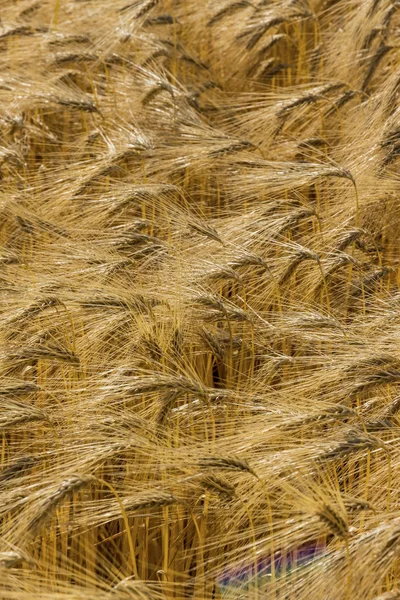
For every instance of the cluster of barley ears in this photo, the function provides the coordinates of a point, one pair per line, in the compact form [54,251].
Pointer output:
[199,314]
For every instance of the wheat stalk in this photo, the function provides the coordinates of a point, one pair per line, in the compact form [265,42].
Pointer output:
[199,307]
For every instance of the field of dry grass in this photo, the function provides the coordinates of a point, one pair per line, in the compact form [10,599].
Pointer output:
[199,304]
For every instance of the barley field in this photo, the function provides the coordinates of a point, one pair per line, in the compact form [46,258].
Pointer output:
[199,300]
